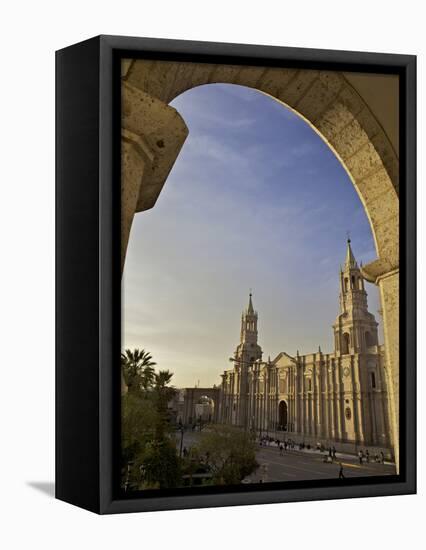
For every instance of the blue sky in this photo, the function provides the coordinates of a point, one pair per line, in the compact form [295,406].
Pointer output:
[255,200]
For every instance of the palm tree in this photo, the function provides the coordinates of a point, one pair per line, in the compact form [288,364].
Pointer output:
[163,394]
[162,378]
[138,369]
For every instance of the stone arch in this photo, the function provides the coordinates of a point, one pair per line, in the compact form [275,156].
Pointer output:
[192,397]
[324,99]
[206,406]
[153,133]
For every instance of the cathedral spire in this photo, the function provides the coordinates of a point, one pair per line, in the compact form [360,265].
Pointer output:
[350,261]
[250,308]
[249,323]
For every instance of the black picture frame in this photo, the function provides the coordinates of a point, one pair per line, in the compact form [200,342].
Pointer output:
[88,271]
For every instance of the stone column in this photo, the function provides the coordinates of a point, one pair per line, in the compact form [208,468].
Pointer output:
[302,403]
[326,429]
[358,417]
[136,155]
[327,400]
[389,292]
[152,136]
[332,405]
[375,431]
[297,413]
[319,421]
[340,429]
[386,275]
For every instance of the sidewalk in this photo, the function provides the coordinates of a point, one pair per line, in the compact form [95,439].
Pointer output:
[324,453]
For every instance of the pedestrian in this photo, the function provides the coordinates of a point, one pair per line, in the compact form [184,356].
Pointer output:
[330,452]
[333,452]
[382,456]
[281,448]
[341,474]
[367,455]
[360,456]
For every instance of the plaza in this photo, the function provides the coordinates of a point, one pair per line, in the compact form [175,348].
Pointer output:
[295,465]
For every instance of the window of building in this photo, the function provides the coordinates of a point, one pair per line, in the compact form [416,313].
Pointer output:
[373,379]
[369,340]
[345,343]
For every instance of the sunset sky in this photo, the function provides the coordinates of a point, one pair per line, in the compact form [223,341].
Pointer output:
[255,200]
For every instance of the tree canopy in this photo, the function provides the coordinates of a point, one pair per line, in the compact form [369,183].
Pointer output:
[149,456]
[228,452]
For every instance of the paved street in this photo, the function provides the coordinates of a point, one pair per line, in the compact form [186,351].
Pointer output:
[295,465]
[299,465]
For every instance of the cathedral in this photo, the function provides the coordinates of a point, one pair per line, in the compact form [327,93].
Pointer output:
[337,397]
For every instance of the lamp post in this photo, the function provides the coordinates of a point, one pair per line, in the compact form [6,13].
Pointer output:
[127,482]
[182,430]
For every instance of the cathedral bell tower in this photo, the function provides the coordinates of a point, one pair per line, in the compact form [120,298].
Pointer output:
[249,325]
[248,351]
[355,328]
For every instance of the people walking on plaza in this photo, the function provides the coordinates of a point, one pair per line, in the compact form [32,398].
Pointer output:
[367,456]
[330,454]
[382,456]
[281,448]
[341,474]
[333,452]
[360,456]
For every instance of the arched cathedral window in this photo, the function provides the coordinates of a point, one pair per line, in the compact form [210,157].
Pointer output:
[345,343]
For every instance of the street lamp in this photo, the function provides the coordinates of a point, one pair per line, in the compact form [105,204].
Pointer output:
[182,429]
[127,482]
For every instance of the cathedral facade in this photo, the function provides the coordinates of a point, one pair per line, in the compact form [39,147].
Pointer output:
[337,397]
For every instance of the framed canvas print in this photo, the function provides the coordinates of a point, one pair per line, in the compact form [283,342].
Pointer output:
[235,274]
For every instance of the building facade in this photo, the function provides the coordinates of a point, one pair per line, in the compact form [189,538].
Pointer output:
[338,397]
